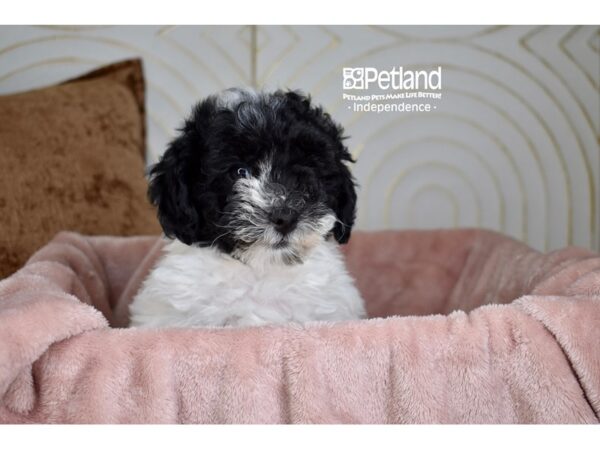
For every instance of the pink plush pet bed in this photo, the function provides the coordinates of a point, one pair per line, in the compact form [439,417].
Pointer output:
[515,338]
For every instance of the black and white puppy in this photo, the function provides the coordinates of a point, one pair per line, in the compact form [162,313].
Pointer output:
[255,196]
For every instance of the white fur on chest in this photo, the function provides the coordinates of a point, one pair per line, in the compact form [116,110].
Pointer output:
[198,287]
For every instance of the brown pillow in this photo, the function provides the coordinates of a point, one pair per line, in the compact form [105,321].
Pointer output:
[72,158]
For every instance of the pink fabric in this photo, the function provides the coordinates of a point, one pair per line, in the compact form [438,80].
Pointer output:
[515,339]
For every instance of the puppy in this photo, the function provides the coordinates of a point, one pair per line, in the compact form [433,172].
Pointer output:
[254,195]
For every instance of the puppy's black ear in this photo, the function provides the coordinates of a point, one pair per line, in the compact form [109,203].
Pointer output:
[345,209]
[169,191]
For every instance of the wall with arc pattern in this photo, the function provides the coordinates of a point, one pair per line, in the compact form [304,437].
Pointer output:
[513,145]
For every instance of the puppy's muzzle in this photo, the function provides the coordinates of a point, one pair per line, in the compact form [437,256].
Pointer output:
[284,219]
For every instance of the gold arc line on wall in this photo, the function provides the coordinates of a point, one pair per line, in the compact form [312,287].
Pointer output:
[563,46]
[561,80]
[165,29]
[260,31]
[266,41]
[334,42]
[240,35]
[46,62]
[532,151]
[488,134]
[423,164]
[594,39]
[408,37]
[582,151]
[109,42]
[236,67]
[542,122]
[74,28]
[406,147]
[191,56]
[170,100]
[504,149]
[495,181]
[282,55]
[161,124]
[432,187]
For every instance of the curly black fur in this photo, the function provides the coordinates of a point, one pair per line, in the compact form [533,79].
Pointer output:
[192,184]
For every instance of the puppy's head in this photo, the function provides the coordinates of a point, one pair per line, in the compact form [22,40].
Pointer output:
[256,175]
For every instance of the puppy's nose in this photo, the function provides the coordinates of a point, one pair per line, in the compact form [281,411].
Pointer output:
[284,219]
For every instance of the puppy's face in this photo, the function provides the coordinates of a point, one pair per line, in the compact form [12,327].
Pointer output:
[258,175]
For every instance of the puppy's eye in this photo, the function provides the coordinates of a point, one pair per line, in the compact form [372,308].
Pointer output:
[243,172]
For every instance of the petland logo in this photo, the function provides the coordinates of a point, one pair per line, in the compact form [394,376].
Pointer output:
[392,91]
[363,78]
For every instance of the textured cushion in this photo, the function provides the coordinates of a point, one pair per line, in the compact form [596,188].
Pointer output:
[72,158]
[527,352]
